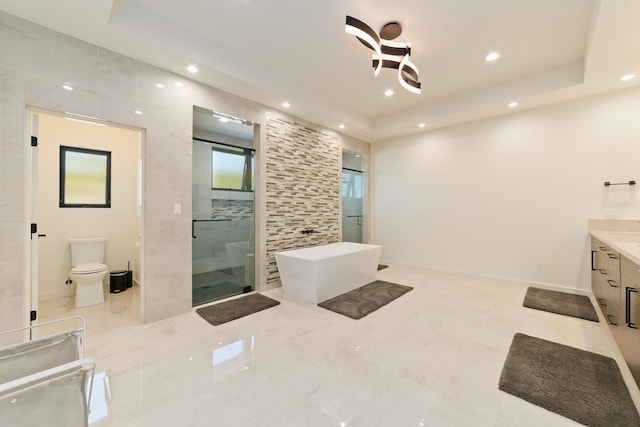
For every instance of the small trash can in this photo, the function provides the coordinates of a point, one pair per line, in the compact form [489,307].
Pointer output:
[118,281]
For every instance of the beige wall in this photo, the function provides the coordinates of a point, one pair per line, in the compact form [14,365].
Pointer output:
[510,196]
[119,223]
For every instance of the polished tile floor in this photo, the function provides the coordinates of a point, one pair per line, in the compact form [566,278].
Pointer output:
[431,358]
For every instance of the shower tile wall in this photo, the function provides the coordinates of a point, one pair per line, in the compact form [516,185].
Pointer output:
[303,189]
[234,209]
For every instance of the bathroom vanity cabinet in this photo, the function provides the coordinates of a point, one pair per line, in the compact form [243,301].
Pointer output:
[605,279]
[628,338]
[615,282]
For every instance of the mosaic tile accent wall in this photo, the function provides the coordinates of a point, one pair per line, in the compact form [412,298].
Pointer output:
[303,189]
[234,209]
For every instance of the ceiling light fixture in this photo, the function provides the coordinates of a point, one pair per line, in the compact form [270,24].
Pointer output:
[492,57]
[225,118]
[627,77]
[192,69]
[84,121]
[82,118]
[387,53]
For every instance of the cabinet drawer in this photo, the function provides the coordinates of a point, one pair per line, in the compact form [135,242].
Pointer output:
[605,281]
[629,339]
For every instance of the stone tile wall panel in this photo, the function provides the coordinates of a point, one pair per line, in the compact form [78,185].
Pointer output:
[302,189]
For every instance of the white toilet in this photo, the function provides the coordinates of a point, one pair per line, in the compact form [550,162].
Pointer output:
[88,270]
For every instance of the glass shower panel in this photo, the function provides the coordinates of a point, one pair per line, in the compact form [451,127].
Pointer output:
[223,240]
[351,205]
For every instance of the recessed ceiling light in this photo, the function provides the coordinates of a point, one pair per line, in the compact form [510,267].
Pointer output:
[388,92]
[341,126]
[138,112]
[513,104]
[192,69]
[286,104]
[421,125]
[67,86]
[628,77]
[179,84]
[160,85]
[492,56]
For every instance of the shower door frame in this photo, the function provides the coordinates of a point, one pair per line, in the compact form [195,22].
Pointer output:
[252,232]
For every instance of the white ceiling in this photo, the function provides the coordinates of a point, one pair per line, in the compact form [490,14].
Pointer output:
[297,51]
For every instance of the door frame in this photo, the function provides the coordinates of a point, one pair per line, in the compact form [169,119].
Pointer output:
[31,289]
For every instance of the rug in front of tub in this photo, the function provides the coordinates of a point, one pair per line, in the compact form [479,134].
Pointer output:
[583,386]
[365,299]
[236,308]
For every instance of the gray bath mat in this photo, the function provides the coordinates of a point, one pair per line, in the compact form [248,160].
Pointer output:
[583,386]
[365,299]
[227,311]
[561,303]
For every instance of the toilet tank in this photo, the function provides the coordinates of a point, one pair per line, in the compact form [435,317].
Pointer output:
[87,251]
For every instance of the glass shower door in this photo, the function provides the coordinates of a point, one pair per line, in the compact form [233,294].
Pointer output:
[223,240]
[223,260]
[351,205]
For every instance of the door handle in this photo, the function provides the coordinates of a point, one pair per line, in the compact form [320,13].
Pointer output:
[593,264]
[41,236]
[630,324]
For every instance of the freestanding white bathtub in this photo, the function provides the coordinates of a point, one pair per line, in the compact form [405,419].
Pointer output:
[321,272]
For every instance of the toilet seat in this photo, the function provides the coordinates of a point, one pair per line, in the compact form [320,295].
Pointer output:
[94,267]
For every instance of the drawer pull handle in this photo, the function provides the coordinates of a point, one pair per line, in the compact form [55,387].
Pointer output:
[602,271]
[602,248]
[612,283]
[612,320]
[630,324]
[602,302]
[593,264]
[612,256]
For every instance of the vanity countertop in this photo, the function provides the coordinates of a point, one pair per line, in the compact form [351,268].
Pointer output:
[625,242]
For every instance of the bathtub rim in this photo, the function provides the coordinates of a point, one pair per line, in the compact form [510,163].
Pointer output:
[320,252]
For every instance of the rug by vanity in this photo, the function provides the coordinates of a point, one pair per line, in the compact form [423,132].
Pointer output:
[227,311]
[583,386]
[561,303]
[365,299]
